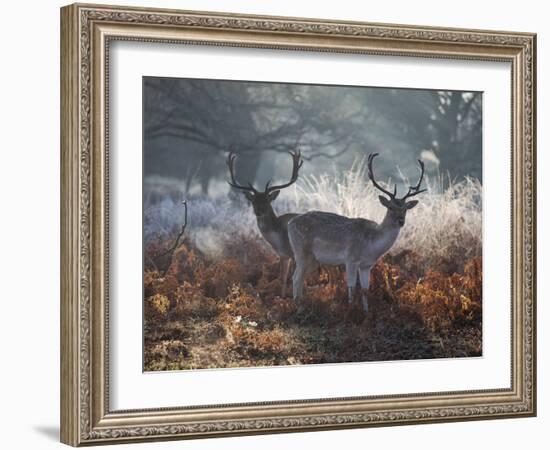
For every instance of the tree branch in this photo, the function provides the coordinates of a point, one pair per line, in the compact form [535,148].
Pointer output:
[177,241]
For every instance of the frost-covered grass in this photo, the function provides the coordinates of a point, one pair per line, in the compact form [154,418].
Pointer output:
[447,219]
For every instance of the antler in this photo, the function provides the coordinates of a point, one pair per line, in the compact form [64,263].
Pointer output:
[415,190]
[371,177]
[297,162]
[233,183]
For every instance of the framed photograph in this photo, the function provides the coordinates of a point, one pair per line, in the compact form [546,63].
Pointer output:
[275,225]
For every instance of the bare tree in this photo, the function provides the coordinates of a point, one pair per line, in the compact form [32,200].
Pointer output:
[200,119]
[449,123]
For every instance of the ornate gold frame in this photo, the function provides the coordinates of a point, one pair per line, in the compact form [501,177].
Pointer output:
[86,31]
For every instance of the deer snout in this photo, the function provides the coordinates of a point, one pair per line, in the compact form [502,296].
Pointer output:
[401,221]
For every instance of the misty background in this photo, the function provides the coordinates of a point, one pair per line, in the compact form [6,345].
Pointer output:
[191,124]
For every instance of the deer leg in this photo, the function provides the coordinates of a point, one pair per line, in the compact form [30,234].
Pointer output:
[298,279]
[364,279]
[281,274]
[285,267]
[351,273]
[302,268]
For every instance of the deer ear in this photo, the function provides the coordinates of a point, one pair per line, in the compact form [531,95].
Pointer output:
[411,204]
[249,195]
[273,195]
[384,201]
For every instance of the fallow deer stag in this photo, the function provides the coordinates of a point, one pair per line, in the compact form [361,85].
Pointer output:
[272,227]
[325,238]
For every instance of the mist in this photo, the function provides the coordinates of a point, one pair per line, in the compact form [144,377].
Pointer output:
[191,124]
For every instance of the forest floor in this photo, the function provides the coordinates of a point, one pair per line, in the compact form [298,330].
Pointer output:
[202,313]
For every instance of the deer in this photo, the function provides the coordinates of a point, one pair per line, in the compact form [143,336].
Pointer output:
[273,228]
[318,237]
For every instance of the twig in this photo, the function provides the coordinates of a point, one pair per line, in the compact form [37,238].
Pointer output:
[177,241]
